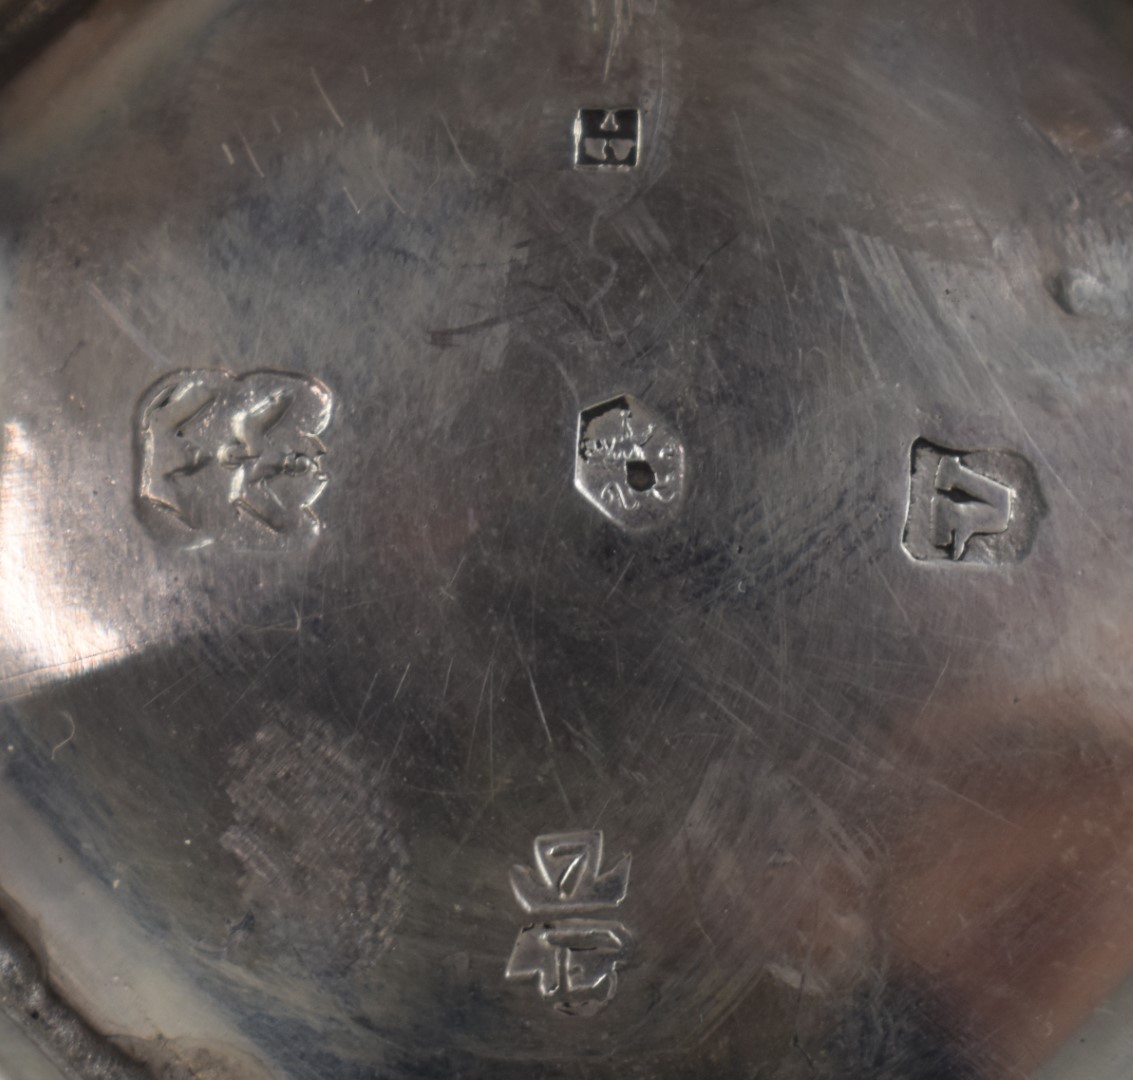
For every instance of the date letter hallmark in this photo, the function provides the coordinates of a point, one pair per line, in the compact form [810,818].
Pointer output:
[971,506]
[570,953]
[630,463]
[607,139]
[237,458]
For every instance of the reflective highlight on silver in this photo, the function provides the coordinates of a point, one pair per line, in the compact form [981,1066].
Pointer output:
[259,800]
[607,138]
[573,961]
[979,506]
[631,463]
[232,457]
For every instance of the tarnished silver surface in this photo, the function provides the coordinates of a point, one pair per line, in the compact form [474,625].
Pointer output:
[26,25]
[338,700]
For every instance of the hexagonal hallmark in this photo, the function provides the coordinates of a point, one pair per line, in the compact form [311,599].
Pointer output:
[630,463]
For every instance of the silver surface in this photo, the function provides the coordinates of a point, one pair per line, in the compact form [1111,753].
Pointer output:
[21,1059]
[291,685]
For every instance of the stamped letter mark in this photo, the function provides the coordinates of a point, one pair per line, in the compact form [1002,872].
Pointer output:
[232,457]
[971,506]
[607,138]
[570,953]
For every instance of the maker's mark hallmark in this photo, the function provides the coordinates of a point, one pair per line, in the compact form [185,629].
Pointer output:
[232,457]
[570,953]
[630,463]
[607,138]
[971,506]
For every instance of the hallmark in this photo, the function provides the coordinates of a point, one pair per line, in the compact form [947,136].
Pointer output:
[226,456]
[630,463]
[570,954]
[970,506]
[607,138]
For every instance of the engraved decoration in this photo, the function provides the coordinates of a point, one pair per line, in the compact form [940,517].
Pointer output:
[232,457]
[630,463]
[607,138]
[971,506]
[570,953]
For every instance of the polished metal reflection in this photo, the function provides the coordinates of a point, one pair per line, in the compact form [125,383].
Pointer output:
[447,450]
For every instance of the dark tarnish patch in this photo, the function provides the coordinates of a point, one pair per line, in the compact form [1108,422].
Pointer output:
[324,869]
[889,1033]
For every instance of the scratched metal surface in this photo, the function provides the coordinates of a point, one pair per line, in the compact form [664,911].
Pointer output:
[309,635]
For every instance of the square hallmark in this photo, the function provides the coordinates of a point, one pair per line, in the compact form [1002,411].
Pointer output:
[607,138]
